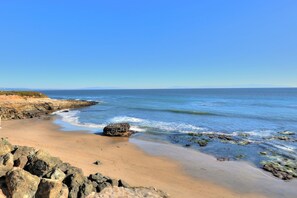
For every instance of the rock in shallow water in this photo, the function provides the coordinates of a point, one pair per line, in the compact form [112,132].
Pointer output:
[284,171]
[118,129]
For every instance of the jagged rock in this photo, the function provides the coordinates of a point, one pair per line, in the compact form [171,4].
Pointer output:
[98,177]
[74,183]
[103,185]
[68,169]
[137,192]
[113,182]
[23,151]
[56,174]
[21,162]
[20,155]
[5,146]
[41,163]
[49,188]
[119,129]
[86,189]
[6,163]
[123,184]
[21,183]
[100,181]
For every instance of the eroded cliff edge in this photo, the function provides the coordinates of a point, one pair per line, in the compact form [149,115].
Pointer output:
[21,105]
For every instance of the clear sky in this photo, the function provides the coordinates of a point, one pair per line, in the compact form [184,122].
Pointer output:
[148,43]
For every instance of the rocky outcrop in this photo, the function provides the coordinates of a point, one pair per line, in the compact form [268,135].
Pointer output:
[118,129]
[17,107]
[26,172]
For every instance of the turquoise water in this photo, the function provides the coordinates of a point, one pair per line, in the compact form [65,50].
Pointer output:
[169,115]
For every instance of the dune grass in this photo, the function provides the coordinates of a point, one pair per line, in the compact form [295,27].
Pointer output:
[31,94]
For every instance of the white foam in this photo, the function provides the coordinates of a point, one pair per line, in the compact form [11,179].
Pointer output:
[258,133]
[72,117]
[164,126]
[126,119]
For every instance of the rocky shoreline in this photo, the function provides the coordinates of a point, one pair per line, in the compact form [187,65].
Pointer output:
[21,107]
[26,172]
[281,165]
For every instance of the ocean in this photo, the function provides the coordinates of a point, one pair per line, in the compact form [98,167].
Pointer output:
[254,120]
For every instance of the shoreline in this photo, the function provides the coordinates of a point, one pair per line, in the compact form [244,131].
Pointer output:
[127,159]
[119,157]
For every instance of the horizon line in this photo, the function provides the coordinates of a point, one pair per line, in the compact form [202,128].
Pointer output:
[172,88]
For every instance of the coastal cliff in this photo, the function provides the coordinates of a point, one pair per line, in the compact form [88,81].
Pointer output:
[22,105]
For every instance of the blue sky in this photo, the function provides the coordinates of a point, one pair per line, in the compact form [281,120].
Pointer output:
[148,44]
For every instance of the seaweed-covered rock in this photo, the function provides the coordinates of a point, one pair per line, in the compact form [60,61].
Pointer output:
[202,142]
[5,146]
[283,138]
[284,171]
[41,163]
[225,137]
[21,183]
[287,133]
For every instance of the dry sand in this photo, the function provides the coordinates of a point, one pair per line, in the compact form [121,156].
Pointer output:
[119,157]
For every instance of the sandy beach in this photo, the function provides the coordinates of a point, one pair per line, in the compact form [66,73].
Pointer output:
[119,157]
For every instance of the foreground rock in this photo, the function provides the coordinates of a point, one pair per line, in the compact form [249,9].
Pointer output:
[26,172]
[21,107]
[21,183]
[118,130]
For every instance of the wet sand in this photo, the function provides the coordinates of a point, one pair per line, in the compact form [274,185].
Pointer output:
[124,159]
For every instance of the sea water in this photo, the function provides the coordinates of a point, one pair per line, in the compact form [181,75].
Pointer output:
[172,115]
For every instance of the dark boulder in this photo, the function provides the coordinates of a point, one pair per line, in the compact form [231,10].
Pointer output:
[118,129]
[41,163]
